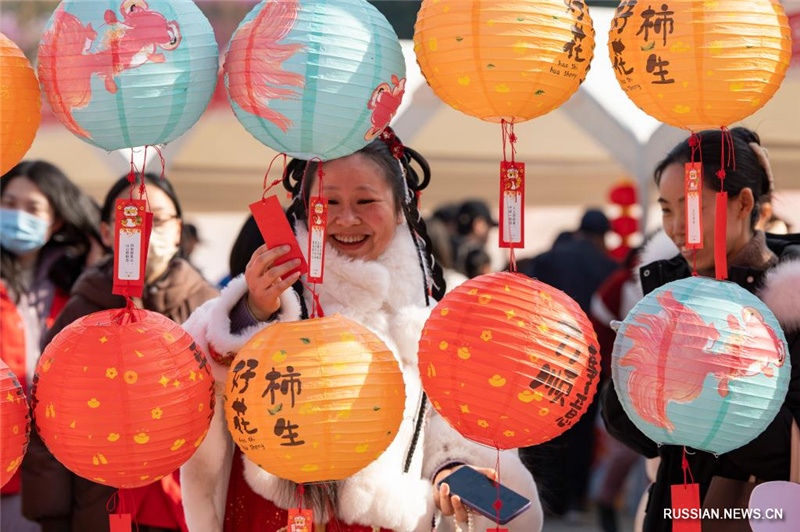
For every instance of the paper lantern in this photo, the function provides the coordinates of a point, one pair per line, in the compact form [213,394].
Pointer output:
[701,363]
[696,64]
[120,74]
[315,400]
[509,60]
[15,425]
[20,105]
[315,79]
[509,361]
[123,402]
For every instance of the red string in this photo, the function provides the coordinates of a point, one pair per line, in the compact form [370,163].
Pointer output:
[498,504]
[300,496]
[266,176]
[694,262]
[509,138]
[132,177]
[161,158]
[686,469]
[512,260]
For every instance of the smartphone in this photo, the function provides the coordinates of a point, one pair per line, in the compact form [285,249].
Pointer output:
[275,229]
[479,493]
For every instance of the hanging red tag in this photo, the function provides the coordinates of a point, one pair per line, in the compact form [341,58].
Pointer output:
[119,522]
[721,236]
[275,229]
[300,520]
[132,226]
[512,204]
[693,186]
[685,511]
[317,228]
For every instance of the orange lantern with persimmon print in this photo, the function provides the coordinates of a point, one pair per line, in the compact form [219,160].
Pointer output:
[315,400]
[123,397]
[509,361]
[15,426]
[20,104]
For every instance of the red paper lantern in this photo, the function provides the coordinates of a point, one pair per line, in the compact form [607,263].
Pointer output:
[509,361]
[123,397]
[625,225]
[15,425]
[623,194]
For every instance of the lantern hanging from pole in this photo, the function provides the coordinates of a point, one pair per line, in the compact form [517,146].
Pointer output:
[316,400]
[315,79]
[20,104]
[509,361]
[128,73]
[701,363]
[15,425]
[123,398]
[696,64]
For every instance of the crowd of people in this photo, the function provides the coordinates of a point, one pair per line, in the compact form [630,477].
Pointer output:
[386,267]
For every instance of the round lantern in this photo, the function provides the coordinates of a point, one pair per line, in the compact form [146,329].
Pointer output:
[510,60]
[20,104]
[701,363]
[121,74]
[315,400]
[123,402]
[509,361]
[696,64]
[15,426]
[315,79]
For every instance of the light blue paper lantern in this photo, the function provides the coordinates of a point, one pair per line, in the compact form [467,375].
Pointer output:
[701,363]
[126,73]
[315,79]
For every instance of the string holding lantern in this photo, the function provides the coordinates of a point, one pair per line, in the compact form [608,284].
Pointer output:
[123,397]
[505,62]
[625,225]
[701,363]
[15,424]
[697,65]
[20,104]
[509,361]
[316,400]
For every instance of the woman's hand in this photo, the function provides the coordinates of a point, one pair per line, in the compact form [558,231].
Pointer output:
[449,504]
[264,284]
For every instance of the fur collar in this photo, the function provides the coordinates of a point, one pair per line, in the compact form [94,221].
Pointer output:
[780,290]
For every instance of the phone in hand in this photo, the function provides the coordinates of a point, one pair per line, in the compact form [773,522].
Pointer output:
[275,229]
[479,493]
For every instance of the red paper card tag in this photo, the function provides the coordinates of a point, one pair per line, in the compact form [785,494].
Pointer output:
[693,187]
[512,205]
[685,511]
[120,522]
[277,232]
[317,228]
[721,236]
[132,226]
[300,520]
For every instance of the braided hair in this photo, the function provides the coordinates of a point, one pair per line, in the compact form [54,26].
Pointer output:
[396,162]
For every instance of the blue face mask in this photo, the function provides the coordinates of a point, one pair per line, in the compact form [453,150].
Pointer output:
[21,232]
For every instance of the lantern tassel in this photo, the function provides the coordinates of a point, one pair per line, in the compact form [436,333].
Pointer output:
[277,181]
[687,471]
[721,218]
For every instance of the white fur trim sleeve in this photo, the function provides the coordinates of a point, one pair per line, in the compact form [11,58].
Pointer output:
[443,445]
[781,293]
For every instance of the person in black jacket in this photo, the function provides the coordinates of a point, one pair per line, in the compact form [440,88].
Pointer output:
[766,265]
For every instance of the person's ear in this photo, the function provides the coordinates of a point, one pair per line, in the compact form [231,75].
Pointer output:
[107,235]
[744,203]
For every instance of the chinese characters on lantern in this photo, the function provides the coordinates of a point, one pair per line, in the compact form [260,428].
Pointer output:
[577,53]
[282,386]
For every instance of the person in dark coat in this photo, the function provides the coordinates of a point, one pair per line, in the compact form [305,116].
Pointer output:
[766,265]
[57,499]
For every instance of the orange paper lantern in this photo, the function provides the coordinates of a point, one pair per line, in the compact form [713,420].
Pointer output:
[509,361]
[315,400]
[696,64]
[123,402]
[15,425]
[20,104]
[510,60]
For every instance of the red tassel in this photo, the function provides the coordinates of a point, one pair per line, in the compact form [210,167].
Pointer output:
[720,237]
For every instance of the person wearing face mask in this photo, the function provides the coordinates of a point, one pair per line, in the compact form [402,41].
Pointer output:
[47,236]
[52,495]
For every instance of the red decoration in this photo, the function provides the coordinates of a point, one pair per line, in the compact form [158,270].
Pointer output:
[15,425]
[624,194]
[509,361]
[123,397]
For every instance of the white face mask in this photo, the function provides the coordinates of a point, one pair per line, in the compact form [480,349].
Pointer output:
[161,251]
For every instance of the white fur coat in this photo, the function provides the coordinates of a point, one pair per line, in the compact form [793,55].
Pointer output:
[386,296]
